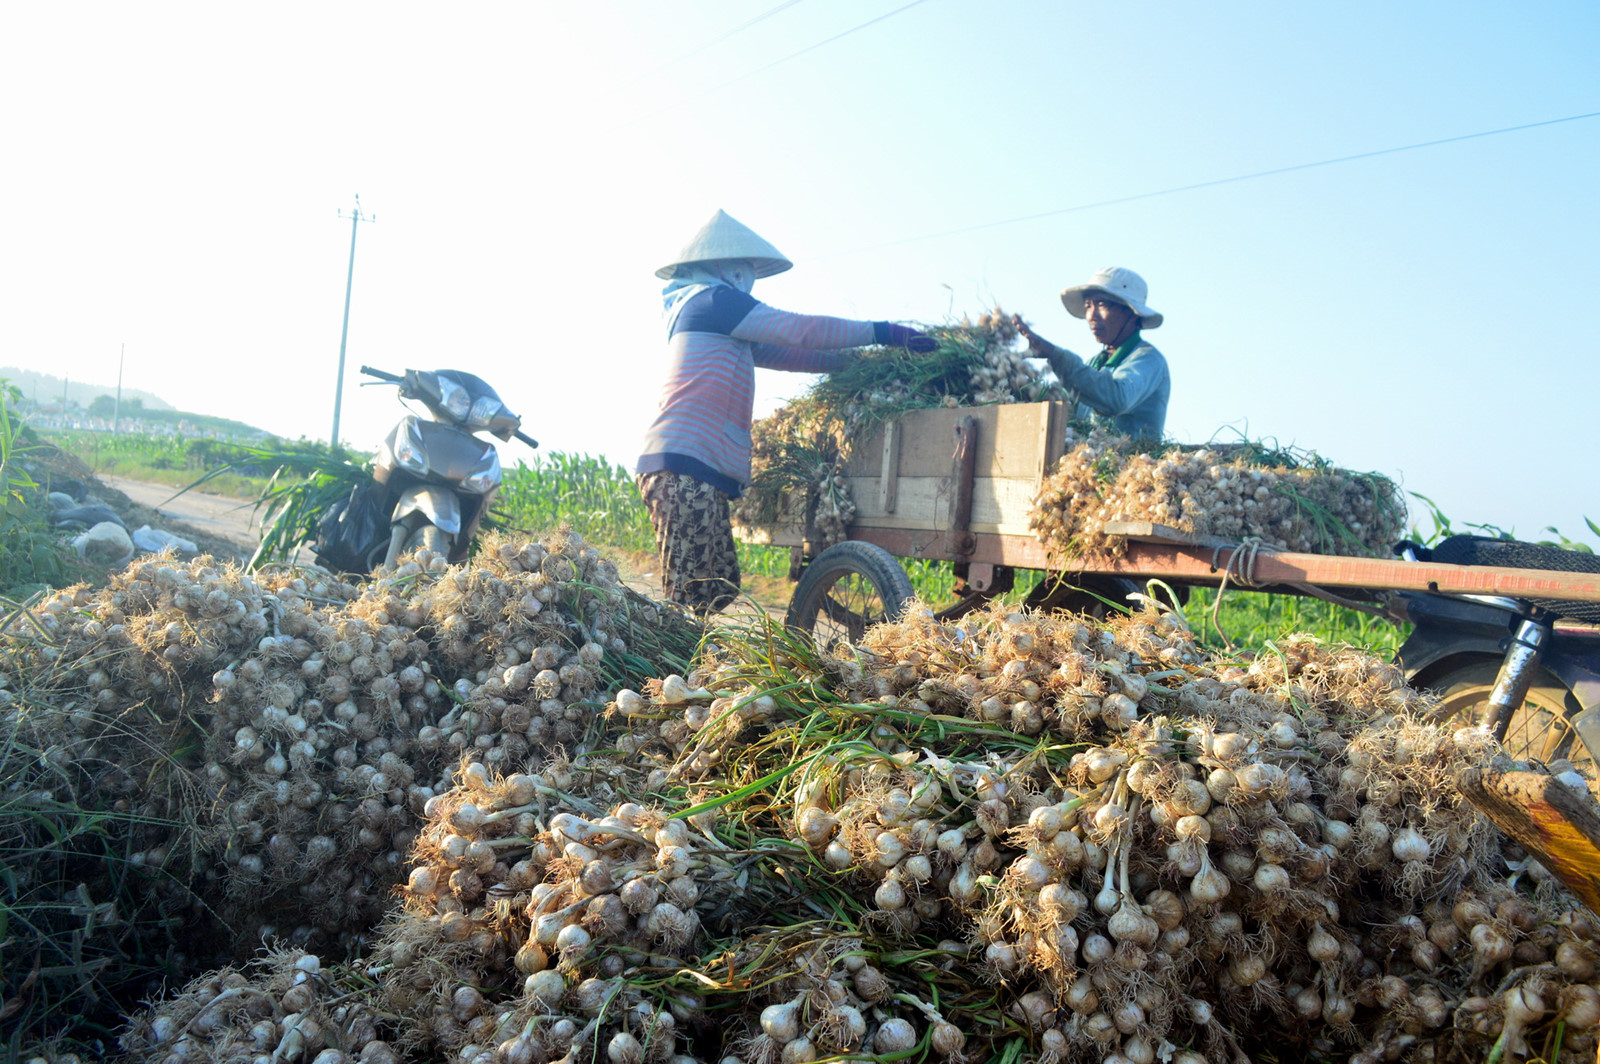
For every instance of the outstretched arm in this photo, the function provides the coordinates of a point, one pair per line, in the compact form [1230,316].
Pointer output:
[810,342]
[1062,362]
[804,343]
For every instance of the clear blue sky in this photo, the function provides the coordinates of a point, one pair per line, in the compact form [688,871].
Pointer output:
[175,172]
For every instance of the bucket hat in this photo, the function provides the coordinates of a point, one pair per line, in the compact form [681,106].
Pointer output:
[1121,284]
[724,237]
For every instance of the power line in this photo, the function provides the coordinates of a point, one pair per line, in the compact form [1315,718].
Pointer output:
[697,49]
[779,62]
[819,44]
[1219,181]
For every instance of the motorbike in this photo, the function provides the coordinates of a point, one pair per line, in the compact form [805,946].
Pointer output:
[1528,670]
[433,480]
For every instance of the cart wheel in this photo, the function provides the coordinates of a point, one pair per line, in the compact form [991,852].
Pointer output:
[849,587]
[1539,731]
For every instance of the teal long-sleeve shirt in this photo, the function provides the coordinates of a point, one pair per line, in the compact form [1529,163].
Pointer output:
[1129,388]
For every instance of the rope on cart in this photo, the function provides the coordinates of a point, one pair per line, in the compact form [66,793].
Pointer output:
[1240,568]
[1241,564]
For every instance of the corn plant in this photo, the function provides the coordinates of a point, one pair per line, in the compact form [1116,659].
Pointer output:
[586,492]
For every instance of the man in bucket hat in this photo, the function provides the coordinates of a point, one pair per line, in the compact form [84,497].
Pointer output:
[696,454]
[1127,383]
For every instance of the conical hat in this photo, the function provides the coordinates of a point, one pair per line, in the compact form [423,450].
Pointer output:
[723,237]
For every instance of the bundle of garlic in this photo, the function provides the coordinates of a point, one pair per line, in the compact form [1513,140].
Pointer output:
[1286,500]
[285,1007]
[1002,374]
[797,466]
[522,915]
[828,997]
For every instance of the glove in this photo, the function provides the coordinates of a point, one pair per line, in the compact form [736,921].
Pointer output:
[887,332]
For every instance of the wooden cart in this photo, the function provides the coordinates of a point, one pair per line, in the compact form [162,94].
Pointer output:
[957,485]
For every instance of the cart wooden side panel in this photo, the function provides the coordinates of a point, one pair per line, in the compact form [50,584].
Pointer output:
[903,478]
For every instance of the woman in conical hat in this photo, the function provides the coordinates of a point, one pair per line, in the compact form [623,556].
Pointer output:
[1127,384]
[696,454]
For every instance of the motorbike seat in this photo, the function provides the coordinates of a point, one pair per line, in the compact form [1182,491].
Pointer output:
[1516,554]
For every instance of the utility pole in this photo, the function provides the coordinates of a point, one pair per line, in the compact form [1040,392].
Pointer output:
[356,218]
[116,409]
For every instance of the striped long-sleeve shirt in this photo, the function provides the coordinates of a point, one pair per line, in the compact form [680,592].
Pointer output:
[714,344]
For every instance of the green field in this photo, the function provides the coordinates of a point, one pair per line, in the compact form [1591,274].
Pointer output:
[598,498]
[174,460]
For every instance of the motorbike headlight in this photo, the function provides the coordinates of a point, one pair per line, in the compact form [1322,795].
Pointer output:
[483,412]
[457,402]
[410,452]
[409,455]
[487,477]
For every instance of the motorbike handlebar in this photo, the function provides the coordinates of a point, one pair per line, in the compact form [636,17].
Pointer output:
[396,378]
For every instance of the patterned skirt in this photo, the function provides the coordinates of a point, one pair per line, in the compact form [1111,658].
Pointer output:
[694,537]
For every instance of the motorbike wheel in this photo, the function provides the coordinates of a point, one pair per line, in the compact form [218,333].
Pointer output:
[849,587]
[1539,730]
[402,542]
[431,537]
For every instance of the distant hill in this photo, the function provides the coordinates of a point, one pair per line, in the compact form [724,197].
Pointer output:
[89,407]
[46,389]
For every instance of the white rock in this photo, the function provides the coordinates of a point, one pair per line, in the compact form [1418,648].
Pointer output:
[105,543]
[159,539]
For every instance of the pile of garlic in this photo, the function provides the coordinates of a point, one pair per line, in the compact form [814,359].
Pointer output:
[1020,833]
[1232,859]
[1311,507]
[259,749]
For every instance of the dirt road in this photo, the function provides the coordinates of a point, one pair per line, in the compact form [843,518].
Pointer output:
[216,516]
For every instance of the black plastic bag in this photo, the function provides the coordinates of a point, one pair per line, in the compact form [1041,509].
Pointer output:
[352,538]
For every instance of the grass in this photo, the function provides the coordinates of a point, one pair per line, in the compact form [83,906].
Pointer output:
[231,469]
[1251,619]
[32,557]
[82,925]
